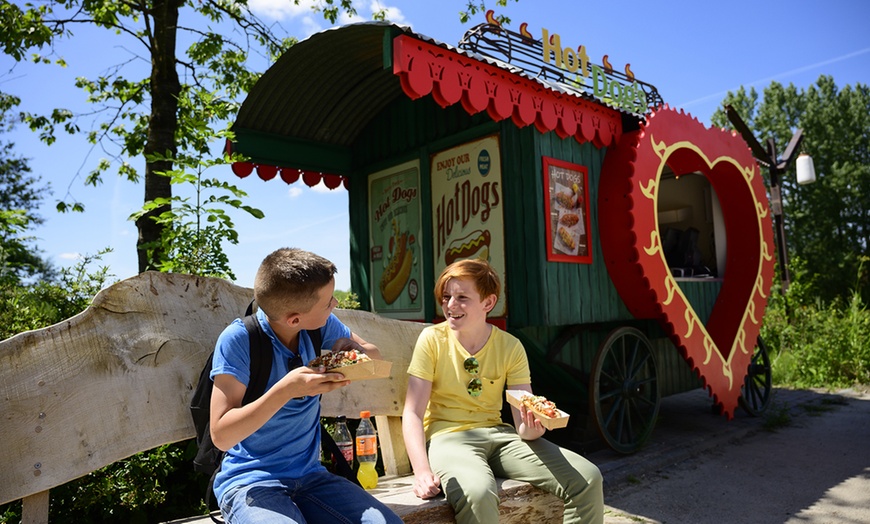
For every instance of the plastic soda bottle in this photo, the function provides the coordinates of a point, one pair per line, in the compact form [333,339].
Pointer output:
[366,451]
[343,439]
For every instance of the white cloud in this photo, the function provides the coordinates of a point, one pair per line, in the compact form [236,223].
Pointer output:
[394,14]
[312,20]
[310,26]
[321,188]
[280,10]
[294,191]
[70,256]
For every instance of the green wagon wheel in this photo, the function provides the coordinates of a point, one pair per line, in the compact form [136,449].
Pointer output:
[755,394]
[624,389]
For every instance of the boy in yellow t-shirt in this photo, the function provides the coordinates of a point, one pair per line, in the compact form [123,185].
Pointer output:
[452,418]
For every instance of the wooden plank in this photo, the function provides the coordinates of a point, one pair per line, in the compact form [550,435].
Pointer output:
[34,508]
[117,379]
[391,438]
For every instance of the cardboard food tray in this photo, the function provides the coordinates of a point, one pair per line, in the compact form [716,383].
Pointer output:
[365,370]
[513,397]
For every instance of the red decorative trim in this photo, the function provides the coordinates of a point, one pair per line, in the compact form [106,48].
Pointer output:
[289,175]
[721,350]
[266,172]
[242,169]
[450,77]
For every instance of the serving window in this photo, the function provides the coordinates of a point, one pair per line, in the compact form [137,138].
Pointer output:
[691,226]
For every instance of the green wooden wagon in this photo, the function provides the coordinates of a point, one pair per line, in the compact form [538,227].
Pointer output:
[604,211]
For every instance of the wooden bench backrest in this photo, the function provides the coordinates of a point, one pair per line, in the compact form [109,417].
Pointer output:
[117,379]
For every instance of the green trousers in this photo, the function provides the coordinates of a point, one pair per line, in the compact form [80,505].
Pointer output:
[469,461]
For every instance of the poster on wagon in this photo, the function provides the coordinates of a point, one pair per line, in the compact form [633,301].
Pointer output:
[566,206]
[467,204]
[394,232]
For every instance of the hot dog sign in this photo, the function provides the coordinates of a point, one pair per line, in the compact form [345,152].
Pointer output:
[467,217]
[396,267]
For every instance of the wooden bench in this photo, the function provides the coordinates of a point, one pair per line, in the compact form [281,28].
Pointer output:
[116,380]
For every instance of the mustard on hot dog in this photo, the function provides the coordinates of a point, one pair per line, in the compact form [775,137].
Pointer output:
[466,247]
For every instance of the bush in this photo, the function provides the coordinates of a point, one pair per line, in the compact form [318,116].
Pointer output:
[818,345]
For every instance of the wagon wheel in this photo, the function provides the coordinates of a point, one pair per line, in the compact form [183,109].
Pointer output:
[755,394]
[624,390]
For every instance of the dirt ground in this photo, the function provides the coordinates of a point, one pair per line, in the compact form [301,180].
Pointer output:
[806,460]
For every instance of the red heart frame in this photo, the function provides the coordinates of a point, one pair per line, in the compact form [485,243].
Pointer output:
[720,351]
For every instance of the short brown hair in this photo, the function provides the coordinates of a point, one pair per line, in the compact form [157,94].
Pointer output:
[288,280]
[479,271]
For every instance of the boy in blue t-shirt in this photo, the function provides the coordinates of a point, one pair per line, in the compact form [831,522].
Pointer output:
[272,470]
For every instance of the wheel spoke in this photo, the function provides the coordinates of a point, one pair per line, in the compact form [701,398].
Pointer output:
[640,365]
[605,395]
[613,409]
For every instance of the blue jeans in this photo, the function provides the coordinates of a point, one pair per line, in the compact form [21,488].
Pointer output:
[316,498]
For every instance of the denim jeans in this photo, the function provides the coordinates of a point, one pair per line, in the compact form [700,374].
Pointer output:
[315,498]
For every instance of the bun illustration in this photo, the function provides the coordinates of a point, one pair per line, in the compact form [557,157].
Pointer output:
[396,275]
[475,245]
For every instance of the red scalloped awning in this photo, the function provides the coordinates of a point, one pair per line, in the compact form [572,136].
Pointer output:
[288,174]
[422,68]
[452,78]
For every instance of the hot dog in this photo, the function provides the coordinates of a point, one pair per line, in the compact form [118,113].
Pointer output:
[337,359]
[398,271]
[566,238]
[540,405]
[476,245]
[569,219]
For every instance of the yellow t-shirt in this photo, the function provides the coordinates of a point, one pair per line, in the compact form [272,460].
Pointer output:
[439,358]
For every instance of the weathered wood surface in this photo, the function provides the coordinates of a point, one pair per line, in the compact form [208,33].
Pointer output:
[117,379]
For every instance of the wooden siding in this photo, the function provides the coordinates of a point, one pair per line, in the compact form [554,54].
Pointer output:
[405,130]
[543,292]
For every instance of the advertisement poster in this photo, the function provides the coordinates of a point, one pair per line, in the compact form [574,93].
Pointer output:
[394,234]
[467,203]
[566,188]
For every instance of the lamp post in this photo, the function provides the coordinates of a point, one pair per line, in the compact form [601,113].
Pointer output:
[768,157]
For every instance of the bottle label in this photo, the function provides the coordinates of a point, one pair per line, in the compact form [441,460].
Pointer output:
[367,445]
[346,449]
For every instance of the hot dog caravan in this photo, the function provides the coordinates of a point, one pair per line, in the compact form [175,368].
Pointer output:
[603,209]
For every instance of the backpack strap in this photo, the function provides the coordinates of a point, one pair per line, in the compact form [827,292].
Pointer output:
[261,359]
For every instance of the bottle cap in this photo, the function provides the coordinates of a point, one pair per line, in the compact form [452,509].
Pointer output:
[341,418]
[365,414]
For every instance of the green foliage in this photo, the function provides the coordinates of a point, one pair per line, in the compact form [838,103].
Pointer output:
[827,223]
[34,306]
[140,489]
[20,196]
[347,299]
[474,7]
[817,344]
[196,227]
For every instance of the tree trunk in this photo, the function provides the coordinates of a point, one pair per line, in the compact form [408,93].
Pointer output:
[165,90]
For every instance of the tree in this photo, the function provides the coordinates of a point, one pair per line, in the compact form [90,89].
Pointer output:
[140,117]
[20,195]
[828,222]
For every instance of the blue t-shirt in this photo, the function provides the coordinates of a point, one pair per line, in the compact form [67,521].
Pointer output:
[288,445]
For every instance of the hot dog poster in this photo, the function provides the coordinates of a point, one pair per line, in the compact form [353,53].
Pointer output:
[394,234]
[467,217]
[566,187]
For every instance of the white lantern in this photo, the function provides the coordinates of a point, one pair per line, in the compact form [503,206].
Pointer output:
[806,173]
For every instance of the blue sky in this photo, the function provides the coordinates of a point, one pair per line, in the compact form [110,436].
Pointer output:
[693,52]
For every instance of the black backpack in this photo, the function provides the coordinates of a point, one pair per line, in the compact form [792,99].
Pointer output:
[208,456]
